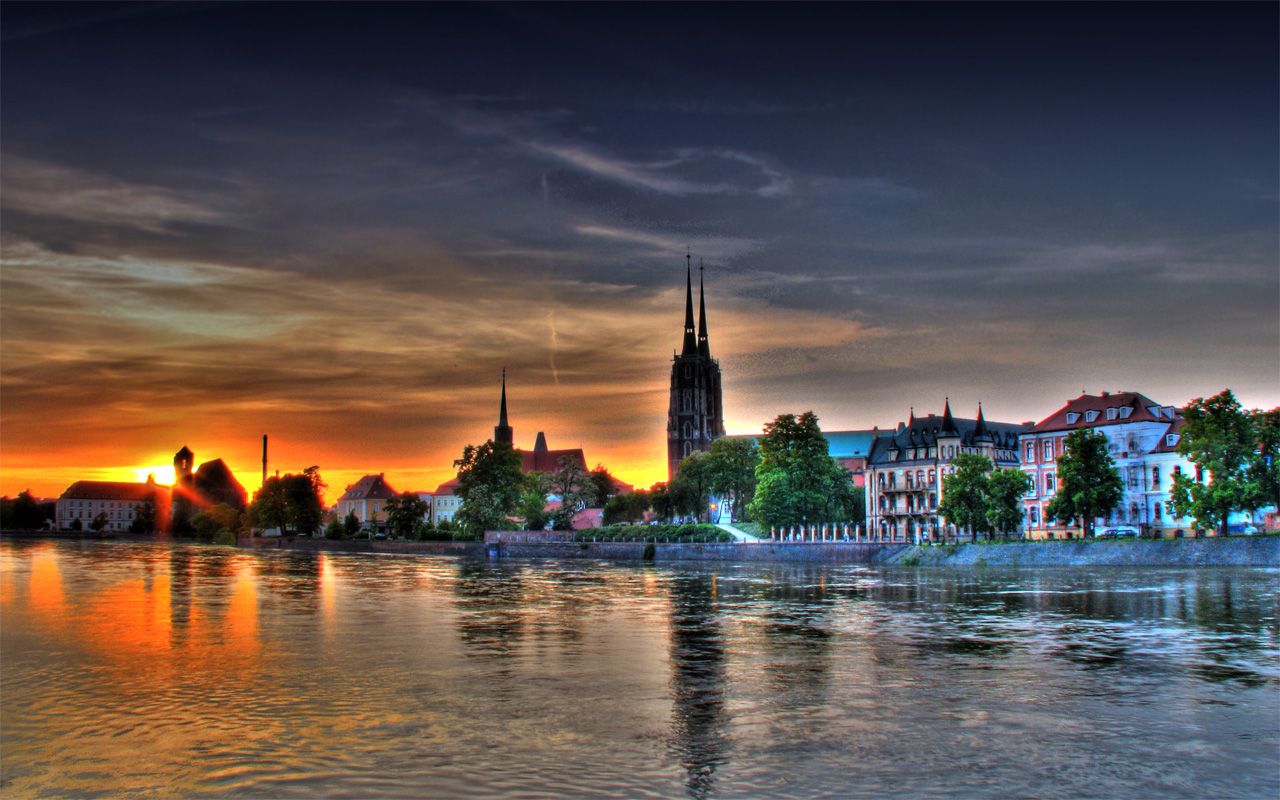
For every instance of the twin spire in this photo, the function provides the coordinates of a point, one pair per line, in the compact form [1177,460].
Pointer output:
[695,341]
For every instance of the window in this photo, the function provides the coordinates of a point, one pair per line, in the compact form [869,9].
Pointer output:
[1033,515]
[1199,474]
[1170,439]
[1090,416]
[1072,416]
[1032,491]
[688,449]
[1112,413]
[1050,483]
[1048,450]
[1031,452]
[1125,412]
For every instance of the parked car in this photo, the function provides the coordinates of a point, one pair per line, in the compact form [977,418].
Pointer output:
[1116,533]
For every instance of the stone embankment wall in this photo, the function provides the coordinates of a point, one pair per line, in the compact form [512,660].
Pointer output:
[1255,551]
[1236,551]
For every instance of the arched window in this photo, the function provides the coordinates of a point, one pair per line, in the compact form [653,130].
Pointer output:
[933,477]
[688,449]
[688,430]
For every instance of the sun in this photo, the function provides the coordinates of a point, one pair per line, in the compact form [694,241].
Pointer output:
[163,473]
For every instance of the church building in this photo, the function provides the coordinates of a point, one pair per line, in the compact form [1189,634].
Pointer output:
[695,414]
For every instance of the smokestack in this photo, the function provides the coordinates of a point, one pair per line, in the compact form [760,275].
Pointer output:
[264,458]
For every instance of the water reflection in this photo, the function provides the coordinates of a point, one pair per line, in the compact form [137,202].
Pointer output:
[699,720]
[201,671]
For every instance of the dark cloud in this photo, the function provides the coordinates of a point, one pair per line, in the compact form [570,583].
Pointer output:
[338,223]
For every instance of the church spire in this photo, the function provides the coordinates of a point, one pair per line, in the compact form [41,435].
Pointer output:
[690,335]
[704,347]
[502,431]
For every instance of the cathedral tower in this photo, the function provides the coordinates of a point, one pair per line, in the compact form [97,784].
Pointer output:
[695,415]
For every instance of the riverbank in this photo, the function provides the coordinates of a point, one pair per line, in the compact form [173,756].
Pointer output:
[1236,551]
[1240,551]
[1257,551]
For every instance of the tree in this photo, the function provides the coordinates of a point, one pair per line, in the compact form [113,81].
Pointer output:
[629,507]
[99,522]
[1005,490]
[290,501]
[21,513]
[350,525]
[576,490]
[732,465]
[489,481]
[334,530]
[1089,484]
[533,501]
[212,522]
[144,517]
[690,489]
[1231,448]
[798,482]
[603,482]
[964,494]
[404,513]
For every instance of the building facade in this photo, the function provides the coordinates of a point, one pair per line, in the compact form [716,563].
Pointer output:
[1142,437]
[118,501]
[695,413]
[367,499]
[906,467]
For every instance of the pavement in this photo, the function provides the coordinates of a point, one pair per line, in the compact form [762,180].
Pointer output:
[738,536]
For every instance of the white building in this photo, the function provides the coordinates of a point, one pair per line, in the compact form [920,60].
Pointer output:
[119,501]
[1142,438]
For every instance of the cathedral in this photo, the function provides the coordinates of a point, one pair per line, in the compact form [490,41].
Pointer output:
[695,415]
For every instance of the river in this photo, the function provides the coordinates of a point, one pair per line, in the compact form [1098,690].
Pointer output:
[162,670]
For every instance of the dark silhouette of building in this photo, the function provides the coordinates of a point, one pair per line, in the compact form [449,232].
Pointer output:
[502,432]
[206,487]
[695,415]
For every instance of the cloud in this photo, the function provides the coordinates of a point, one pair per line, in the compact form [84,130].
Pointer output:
[40,188]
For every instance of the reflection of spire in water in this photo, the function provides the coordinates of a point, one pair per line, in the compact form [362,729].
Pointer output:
[490,602]
[699,718]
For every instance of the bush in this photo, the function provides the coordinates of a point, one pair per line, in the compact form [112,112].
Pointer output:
[654,533]
[225,536]
[464,536]
[334,530]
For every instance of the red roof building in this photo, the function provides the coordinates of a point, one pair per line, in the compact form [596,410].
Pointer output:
[367,498]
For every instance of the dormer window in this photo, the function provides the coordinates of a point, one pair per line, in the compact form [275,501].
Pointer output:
[1072,416]
[1155,410]
[1112,413]
[1170,439]
[1090,416]
[1125,412]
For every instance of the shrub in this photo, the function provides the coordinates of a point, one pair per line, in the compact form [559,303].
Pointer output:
[334,530]
[225,536]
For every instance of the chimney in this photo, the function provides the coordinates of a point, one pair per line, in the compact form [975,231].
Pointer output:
[264,458]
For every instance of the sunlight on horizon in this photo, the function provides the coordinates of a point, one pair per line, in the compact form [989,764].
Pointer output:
[163,473]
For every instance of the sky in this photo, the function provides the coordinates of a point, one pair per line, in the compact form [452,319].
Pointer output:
[336,224]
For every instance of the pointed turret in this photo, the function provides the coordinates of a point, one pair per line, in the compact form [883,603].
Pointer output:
[948,421]
[980,430]
[704,347]
[502,431]
[690,334]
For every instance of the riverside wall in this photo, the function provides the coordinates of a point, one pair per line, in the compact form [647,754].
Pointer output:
[1257,551]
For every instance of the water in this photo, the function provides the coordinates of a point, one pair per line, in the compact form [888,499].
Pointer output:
[150,670]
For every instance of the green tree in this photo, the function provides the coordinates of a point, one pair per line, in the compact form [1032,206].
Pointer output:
[404,513]
[576,490]
[965,492]
[99,522]
[76,525]
[690,489]
[629,507]
[212,522]
[144,517]
[350,525]
[1089,484]
[291,501]
[334,530]
[603,482]
[1225,442]
[21,513]
[1264,474]
[732,464]
[1005,490]
[661,501]
[489,482]
[798,482]
[533,501]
